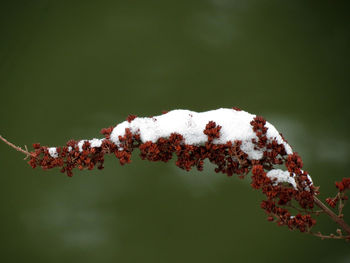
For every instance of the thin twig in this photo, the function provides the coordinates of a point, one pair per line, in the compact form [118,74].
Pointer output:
[341,205]
[331,236]
[317,212]
[17,148]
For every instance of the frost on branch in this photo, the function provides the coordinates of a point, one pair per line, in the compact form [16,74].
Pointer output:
[236,141]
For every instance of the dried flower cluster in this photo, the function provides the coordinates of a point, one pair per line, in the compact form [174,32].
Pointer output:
[290,196]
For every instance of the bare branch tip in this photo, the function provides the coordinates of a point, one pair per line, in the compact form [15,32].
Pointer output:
[17,148]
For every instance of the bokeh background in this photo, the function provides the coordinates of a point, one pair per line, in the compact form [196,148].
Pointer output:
[70,68]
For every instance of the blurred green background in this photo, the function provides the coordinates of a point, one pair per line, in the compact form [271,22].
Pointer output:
[70,68]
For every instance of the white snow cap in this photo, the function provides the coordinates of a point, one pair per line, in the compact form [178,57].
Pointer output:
[190,124]
[281,177]
[235,125]
[94,143]
[53,152]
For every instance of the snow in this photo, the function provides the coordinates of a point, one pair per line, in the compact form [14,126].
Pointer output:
[53,152]
[94,143]
[281,176]
[190,124]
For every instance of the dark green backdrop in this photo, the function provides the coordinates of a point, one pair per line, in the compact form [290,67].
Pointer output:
[70,68]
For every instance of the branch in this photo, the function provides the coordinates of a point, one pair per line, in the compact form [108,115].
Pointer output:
[331,236]
[235,141]
[332,215]
[17,148]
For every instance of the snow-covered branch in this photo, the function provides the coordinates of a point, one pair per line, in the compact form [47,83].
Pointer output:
[236,141]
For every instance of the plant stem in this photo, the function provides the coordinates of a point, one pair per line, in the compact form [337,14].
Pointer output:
[332,215]
[15,147]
